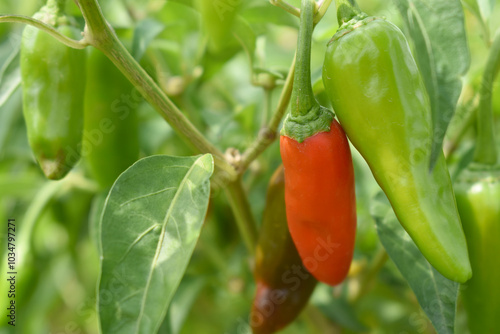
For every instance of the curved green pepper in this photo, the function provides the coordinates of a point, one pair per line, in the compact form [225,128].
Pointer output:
[477,191]
[53,81]
[380,99]
[283,284]
[111,142]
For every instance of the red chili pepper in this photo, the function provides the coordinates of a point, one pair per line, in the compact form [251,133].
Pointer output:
[320,202]
[319,175]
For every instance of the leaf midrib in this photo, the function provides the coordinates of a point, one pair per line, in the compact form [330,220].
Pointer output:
[160,242]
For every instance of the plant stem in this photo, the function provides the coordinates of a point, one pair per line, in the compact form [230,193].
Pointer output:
[238,200]
[486,152]
[101,36]
[370,276]
[321,11]
[469,116]
[267,134]
[286,6]
[302,95]
[346,10]
[268,103]
[47,28]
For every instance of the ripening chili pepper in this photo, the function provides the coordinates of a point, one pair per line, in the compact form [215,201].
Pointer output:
[380,99]
[53,80]
[319,175]
[283,284]
[111,142]
[477,191]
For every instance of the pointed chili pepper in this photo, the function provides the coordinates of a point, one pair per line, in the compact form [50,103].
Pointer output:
[53,80]
[283,284]
[380,99]
[319,175]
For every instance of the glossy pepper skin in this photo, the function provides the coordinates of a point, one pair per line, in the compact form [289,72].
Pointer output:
[477,191]
[379,97]
[53,81]
[321,201]
[111,130]
[319,175]
[283,284]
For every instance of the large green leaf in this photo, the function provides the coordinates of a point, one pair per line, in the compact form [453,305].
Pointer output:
[149,227]
[436,294]
[437,30]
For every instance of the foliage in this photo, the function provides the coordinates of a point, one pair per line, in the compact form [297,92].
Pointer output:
[231,95]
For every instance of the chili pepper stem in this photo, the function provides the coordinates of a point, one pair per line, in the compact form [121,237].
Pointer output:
[286,6]
[306,117]
[101,35]
[346,10]
[486,152]
[241,209]
[302,94]
[82,44]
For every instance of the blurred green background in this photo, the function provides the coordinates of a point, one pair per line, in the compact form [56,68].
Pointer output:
[57,261]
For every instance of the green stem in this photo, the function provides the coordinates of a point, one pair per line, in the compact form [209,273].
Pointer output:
[100,35]
[468,120]
[286,6]
[486,152]
[267,134]
[47,28]
[370,276]
[238,200]
[346,10]
[26,227]
[302,95]
[307,117]
[322,11]
[268,97]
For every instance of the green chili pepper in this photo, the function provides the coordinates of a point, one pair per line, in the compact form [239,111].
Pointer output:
[478,198]
[380,99]
[53,80]
[477,191]
[111,142]
[283,283]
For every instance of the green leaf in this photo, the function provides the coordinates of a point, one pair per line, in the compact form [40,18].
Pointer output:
[149,228]
[436,294]
[182,302]
[437,30]
[10,76]
[144,34]
[486,8]
[95,215]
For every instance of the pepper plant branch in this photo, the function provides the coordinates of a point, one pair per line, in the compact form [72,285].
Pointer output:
[100,35]
[486,152]
[286,6]
[267,135]
[238,200]
[321,11]
[370,276]
[81,44]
